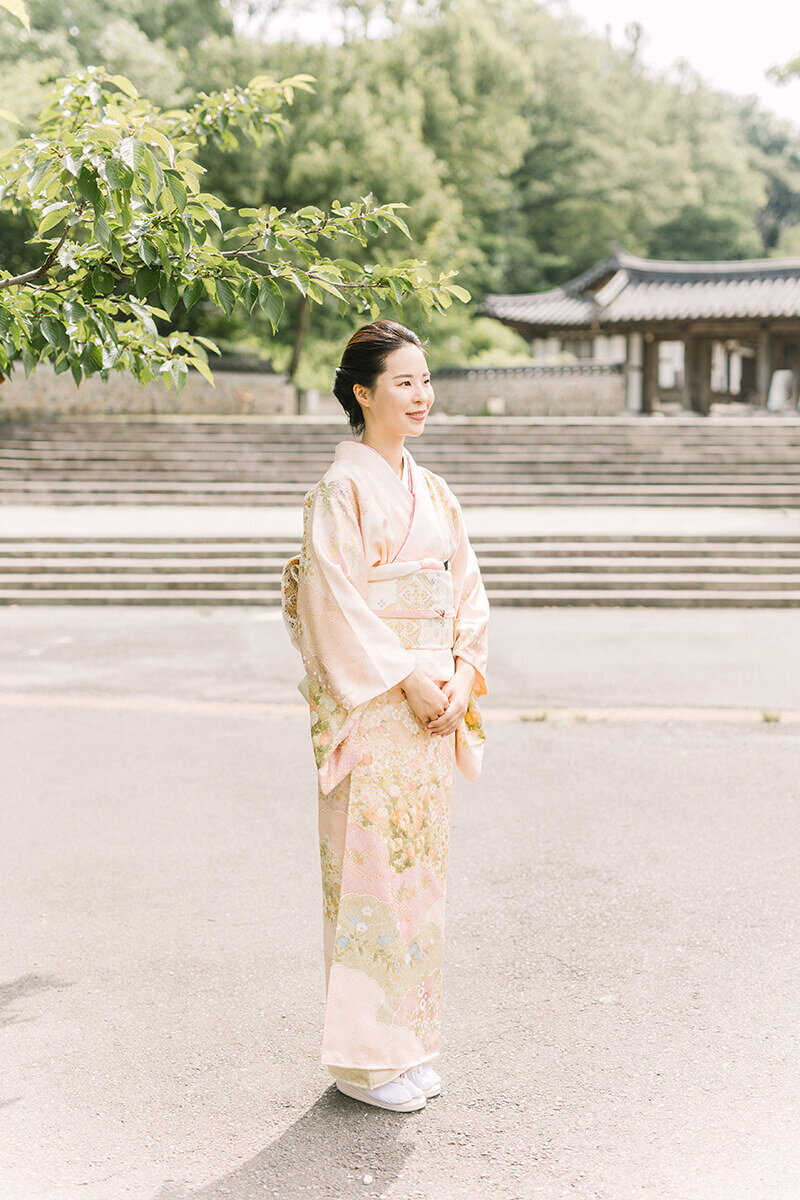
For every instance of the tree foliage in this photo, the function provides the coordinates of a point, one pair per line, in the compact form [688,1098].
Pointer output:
[523,145]
[128,235]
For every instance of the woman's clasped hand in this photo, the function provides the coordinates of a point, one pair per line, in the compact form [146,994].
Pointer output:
[440,707]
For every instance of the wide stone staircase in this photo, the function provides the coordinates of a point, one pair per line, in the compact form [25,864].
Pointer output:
[627,463]
[530,570]
[488,461]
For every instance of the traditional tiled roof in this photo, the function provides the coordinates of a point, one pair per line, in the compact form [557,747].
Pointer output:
[626,290]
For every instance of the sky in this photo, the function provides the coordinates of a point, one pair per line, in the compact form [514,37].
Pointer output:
[731,52]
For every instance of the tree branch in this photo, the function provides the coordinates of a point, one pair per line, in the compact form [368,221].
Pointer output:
[29,276]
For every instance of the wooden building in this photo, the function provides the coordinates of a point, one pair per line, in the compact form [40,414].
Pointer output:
[736,322]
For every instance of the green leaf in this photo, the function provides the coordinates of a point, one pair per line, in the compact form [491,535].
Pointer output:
[5,115]
[179,371]
[204,369]
[249,295]
[92,358]
[118,174]
[87,185]
[226,297]
[147,252]
[177,190]
[75,312]
[132,152]
[192,293]
[124,84]
[145,280]
[271,301]
[18,10]
[53,218]
[163,143]
[102,280]
[459,292]
[55,332]
[327,287]
[151,168]
[101,231]
[168,291]
[77,374]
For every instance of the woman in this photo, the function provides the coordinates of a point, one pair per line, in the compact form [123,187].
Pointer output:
[387,607]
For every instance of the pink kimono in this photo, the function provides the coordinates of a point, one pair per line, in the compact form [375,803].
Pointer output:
[386,581]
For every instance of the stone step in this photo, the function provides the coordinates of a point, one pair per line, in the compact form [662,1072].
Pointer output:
[501,542]
[514,451]
[33,567]
[623,425]
[633,597]
[464,485]
[491,466]
[489,461]
[729,582]
[637,598]
[453,448]
[454,444]
[210,580]
[268,488]
[486,500]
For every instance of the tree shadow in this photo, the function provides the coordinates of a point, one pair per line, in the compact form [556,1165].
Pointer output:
[326,1153]
[20,989]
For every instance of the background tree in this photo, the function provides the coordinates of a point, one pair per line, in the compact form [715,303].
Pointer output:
[524,145]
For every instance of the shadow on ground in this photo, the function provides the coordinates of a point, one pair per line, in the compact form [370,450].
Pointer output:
[20,989]
[327,1152]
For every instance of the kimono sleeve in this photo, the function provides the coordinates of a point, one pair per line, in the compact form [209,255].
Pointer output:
[345,646]
[472,606]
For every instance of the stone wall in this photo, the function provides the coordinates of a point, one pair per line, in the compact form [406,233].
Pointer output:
[237,393]
[584,389]
[244,389]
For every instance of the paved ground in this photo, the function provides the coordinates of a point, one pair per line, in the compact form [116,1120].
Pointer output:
[622,1006]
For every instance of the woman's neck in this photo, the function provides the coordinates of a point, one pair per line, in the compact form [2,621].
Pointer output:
[388,447]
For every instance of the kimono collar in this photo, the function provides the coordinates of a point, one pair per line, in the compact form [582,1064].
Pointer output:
[359,452]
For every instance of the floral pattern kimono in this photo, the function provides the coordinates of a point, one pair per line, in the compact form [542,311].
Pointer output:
[386,581]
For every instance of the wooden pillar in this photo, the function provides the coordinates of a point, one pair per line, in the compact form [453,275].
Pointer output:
[704,376]
[697,351]
[793,361]
[650,374]
[763,366]
[691,386]
[633,372]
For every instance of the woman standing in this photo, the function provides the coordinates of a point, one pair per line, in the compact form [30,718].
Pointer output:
[387,607]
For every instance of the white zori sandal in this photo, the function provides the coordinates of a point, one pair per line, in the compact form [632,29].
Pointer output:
[425,1078]
[399,1095]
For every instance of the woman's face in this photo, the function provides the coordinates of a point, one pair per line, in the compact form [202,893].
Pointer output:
[401,398]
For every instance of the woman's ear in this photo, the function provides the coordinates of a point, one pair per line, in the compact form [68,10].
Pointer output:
[361,394]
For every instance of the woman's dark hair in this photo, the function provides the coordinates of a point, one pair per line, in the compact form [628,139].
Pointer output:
[364,359]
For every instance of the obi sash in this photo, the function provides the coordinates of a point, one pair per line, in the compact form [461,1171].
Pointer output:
[416,600]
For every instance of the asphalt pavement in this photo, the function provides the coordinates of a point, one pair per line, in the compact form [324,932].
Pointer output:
[623,954]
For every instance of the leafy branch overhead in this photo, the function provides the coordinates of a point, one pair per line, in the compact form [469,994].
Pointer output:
[129,239]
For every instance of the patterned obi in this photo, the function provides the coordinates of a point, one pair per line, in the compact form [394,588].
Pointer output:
[415,599]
